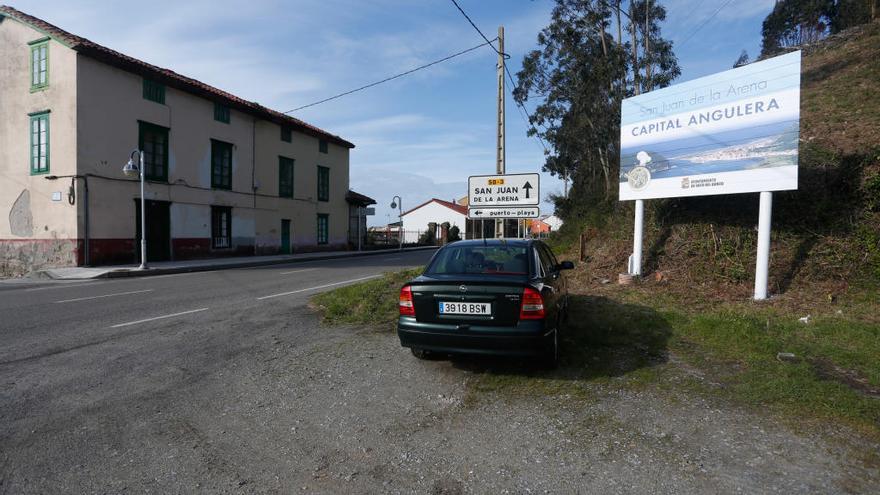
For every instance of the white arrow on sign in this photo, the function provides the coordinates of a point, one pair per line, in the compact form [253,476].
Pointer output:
[504,190]
[492,212]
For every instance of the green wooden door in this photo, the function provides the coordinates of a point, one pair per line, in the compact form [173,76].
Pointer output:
[285,236]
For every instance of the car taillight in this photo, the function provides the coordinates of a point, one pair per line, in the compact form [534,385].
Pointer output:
[532,305]
[406,302]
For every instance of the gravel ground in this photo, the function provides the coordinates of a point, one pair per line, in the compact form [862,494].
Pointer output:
[266,407]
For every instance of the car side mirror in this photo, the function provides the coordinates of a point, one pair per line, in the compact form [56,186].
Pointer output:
[565,265]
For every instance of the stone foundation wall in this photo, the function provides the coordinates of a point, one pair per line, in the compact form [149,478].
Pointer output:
[20,257]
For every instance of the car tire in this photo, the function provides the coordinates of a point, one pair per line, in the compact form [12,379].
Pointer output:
[420,353]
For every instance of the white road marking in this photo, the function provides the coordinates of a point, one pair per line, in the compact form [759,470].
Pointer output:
[63,286]
[104,295]
[298,271]
[158,318]
[318,287]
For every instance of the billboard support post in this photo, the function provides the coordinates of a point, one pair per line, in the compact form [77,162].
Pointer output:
[761,267]
[636,264]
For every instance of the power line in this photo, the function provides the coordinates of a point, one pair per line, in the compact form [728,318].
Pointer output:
[506,56]
[704,23]
[444,59]
[524,109]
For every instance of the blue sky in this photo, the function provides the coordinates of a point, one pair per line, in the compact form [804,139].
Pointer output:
[419,136]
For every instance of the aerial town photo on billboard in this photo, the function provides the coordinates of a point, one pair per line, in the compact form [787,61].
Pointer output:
[446,247]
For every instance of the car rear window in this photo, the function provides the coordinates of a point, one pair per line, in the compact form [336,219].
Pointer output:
[497,260]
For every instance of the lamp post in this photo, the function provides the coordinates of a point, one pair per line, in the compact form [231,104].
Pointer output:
[399,205]
[132,169]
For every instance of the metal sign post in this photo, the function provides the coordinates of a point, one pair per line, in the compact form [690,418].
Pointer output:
[635,268]
[765,211]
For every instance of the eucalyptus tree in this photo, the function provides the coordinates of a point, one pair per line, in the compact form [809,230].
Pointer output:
[592,54]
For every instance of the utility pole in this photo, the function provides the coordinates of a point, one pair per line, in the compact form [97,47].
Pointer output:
[499,165]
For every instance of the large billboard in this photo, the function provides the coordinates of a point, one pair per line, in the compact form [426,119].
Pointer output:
[732,132]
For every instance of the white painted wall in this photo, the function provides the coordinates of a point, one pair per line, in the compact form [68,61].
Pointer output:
[416,221]
[190,221]
[554,222]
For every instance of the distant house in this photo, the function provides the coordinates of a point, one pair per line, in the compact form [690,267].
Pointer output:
[545,224]
[437,211]
[554,222]
[538,227]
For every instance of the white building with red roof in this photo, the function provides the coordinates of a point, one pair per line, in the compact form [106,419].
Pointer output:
[436,211]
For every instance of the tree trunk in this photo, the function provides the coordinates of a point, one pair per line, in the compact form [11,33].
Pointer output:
[621,61]
[648,85]
[635,51]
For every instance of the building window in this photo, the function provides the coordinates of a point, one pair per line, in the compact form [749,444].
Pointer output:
[221,165]
[40,143]
[153,140]
[286,134]
[154,91]
[285,177]
[221,113]
[323,228]
[39,64]
[323,183]
[322,146]
[221,227]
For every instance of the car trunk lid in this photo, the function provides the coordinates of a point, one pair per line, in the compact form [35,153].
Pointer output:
[503,292]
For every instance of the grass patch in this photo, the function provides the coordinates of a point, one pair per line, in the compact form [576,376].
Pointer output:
[625,338]
[373,302]
[834,376]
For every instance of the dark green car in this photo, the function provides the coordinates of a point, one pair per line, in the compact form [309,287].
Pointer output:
[493,296]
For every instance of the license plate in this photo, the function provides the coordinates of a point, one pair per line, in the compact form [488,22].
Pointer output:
[465,308]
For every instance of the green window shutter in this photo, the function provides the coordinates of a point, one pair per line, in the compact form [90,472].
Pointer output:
[221,165]
[322,146]
[286,134]
[153,141]
[39,148]
[39,64]
[154,91]
[323,228]
[285,177]
[323,183]
[221,113]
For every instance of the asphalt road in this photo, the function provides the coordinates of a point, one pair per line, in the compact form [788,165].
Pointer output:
[42,319]
[82,363]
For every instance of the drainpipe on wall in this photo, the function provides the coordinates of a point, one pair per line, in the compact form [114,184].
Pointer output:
[86,258]
[254,170]
[71,198]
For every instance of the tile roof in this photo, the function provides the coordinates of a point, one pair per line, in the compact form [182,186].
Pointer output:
[452,206]
[358,198]
[168,77]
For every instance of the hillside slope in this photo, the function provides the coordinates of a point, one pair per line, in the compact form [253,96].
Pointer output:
[826,235]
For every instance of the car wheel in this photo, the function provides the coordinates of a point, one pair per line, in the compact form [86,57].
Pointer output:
[420,353]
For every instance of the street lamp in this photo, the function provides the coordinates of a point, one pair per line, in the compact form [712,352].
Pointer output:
[399,205]
[132,169]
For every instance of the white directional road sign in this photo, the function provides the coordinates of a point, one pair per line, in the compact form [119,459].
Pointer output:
[491,212]
[503,190]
